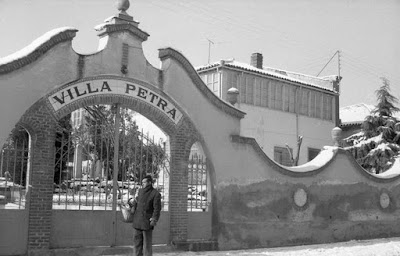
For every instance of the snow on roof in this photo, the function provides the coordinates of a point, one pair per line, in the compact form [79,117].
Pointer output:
[320,160]
[355,114]
[325,83]
[34,45]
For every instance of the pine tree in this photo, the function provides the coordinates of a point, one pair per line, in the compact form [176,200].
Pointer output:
[377,145]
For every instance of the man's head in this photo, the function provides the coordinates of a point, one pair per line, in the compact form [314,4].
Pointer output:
[147,181]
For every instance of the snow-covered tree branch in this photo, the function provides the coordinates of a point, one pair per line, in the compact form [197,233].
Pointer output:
[378,144]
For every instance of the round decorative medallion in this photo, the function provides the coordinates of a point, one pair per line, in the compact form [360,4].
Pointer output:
[300,197]
[384,200]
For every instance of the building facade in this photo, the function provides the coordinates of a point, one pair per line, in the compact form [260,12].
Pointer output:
[280,106]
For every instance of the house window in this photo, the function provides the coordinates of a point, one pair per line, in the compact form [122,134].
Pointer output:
[282,156]
[278,96]
[215,83]
[264,93]
[298,101]
[243,90]
[257,93]
[286,96]
[312,104]
[271,95]
[312,153]
[318,105]
[249,90]
[292,97]
[304,102]
[327,113]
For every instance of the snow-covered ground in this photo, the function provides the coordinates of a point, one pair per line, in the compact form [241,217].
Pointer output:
[377,247]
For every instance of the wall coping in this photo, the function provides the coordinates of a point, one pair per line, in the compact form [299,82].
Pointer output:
[105,28]
[253,143]
[36,49]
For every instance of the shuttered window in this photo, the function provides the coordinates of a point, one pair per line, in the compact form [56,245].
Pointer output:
[278,96]
[243,90]
[250,90]
[318,105]
[215,83]
[257,92]
[282,156]
[264,93]
[327,108]
[304,102]
[292,99]
[312,104]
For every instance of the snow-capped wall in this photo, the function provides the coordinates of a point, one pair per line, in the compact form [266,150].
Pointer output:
[328,199]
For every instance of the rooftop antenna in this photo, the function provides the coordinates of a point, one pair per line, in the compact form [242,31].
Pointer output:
[339,67]
[338,53]
[209,49]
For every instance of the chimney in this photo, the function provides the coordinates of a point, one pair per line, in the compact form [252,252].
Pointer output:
[257,60]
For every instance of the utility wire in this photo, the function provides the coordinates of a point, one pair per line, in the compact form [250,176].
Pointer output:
[252,28]
[370,68]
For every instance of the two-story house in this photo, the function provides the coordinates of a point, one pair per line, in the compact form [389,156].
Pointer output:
[280,105]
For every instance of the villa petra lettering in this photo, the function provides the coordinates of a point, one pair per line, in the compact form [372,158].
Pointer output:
[81,90]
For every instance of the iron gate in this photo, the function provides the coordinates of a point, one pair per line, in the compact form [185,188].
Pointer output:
[13,170]
[100,160]
[14,164]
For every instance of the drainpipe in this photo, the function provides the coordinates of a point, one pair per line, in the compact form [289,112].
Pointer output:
[1,166]
[219,84]
[296,109]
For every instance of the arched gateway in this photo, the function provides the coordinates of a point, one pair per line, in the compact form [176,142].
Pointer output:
[49,81]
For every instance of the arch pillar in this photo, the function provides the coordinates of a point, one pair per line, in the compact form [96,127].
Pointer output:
[41,125]
[178,187]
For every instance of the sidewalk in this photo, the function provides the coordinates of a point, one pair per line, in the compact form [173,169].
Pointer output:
[375,247]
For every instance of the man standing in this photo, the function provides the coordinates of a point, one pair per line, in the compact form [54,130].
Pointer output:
[148,208]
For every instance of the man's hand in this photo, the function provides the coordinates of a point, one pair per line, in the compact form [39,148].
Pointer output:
[153,222]
[130,202]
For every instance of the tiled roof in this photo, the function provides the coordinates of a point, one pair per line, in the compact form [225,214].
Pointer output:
[324,83]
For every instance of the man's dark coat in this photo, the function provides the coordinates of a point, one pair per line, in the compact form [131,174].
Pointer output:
[148,206]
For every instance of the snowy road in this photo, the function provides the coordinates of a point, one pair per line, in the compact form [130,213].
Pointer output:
[377,247]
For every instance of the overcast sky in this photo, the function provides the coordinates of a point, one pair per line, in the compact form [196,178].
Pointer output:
[294,35]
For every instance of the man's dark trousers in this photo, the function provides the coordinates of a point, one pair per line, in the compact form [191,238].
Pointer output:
[142,242]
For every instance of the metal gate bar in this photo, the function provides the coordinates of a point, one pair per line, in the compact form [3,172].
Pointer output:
[197,185]
[14,162]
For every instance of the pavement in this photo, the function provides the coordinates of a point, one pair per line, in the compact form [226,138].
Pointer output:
[375,247]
